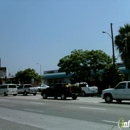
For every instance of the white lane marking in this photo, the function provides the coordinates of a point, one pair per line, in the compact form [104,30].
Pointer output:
[110,121]
[31,110]
[93,108]
[37,103]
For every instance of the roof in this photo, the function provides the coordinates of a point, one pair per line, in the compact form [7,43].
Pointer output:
[63,74]
[56,75]
[124,70]
[125,81]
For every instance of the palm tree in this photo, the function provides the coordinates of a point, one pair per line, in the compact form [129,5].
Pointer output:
[122,41]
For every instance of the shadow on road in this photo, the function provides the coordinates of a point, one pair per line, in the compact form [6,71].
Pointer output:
[59,99]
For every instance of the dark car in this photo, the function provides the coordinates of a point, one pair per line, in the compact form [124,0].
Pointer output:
[61,90]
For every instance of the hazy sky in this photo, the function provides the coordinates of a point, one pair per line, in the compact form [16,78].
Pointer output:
[43,31]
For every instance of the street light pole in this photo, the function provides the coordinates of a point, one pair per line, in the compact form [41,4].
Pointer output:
[40,71]
[111,36]
[112,44]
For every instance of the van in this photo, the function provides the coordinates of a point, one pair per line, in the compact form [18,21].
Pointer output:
[8,89]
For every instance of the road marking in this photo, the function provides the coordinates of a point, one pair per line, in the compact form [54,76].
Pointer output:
[31,110]
[110,121]
[37,103]
[93,108]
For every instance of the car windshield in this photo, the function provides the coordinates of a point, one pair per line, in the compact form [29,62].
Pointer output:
[43,85]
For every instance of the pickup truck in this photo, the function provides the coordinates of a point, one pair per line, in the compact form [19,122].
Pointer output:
[61,90]
[87,90]
[119,93]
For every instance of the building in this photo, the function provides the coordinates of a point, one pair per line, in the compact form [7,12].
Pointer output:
[52,76]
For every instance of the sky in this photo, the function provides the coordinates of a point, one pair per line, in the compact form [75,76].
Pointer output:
[36,33]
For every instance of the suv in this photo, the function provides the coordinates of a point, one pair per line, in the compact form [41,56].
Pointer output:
[61,90]
[8,89]
[26,89]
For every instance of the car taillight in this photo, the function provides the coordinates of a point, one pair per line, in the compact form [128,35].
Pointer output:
[70,89]
[81,89]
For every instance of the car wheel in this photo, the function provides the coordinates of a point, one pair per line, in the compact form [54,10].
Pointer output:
[34,94]
[5,94]
[55,97]
[74,97]
[14,94]
[25,93]
[63,97]
[119,101]
[44,96]
[83,93]
[108,98]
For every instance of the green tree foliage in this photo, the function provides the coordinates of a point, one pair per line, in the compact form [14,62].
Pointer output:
[97,60]
[84,64]
[26,76]
[122,41]
[75,64]
[112,75]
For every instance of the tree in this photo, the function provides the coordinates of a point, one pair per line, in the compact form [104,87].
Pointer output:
[97,60]
[122,41]
[75,64]
[112,75]
[84,64]
[26,76]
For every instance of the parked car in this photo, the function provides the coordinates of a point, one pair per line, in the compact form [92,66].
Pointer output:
[119,93]
[8,89]
[26,89]
[61,90]
[87,90]
[41,87]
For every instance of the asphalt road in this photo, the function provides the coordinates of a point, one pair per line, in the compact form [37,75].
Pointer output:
[85,113]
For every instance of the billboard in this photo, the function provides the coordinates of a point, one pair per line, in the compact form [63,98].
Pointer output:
[3,72]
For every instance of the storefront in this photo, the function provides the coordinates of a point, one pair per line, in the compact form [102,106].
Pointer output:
[56,77]
[53,76]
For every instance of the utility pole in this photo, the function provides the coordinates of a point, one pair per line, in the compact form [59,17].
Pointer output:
[40,70]
[0,62]
[113,51]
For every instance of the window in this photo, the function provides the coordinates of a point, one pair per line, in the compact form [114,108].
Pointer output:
[82,85]
[20,86]
[128,85]
[121,86]
[12,86]
[3,86]
[52,86]
[27,86]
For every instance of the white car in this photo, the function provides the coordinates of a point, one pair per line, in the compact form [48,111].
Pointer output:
[41,87]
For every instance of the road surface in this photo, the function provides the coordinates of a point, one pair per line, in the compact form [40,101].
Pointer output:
[85,113]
